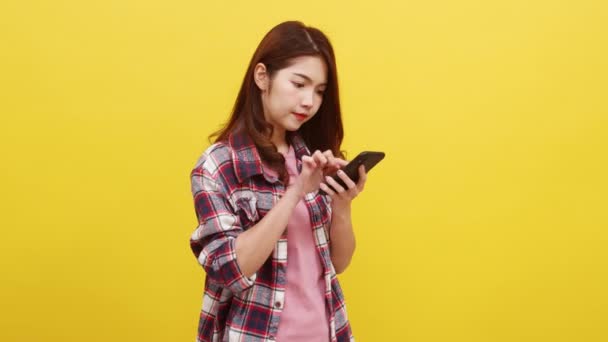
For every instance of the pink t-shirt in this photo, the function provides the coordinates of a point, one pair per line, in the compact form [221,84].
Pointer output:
[304,317]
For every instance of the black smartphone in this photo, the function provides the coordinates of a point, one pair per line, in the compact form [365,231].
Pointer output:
[367,158]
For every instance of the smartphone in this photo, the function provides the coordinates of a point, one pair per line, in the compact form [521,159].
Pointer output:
[367,158]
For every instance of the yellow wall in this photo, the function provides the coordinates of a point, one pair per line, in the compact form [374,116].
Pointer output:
[486,222]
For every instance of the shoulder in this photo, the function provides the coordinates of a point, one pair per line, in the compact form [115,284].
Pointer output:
[216,164]
[214,158]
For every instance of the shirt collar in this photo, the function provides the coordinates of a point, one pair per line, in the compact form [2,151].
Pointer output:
[247,160]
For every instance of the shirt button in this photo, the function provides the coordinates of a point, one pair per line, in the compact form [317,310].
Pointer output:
[277,305]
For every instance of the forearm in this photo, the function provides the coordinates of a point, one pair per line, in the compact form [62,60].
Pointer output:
[342,239]
[254,246]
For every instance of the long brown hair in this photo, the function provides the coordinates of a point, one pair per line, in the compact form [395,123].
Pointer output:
[276,51]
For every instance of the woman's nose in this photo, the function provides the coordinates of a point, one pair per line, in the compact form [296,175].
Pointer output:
[307,99]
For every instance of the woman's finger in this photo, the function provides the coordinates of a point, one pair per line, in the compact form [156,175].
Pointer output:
[309,161]
[341,162]
[328,190]
[332,161]
[347,181]
[319,158]
[337,187]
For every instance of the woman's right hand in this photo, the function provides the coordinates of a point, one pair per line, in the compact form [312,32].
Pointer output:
[312,172]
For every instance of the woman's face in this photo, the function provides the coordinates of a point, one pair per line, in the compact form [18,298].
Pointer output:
[294,95]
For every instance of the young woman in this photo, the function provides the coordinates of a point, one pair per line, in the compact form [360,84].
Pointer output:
[270,243]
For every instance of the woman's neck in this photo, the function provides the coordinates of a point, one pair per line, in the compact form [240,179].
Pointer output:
[279,140]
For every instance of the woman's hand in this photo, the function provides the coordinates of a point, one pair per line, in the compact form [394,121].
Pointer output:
[313,170]
[342,238]
[342,197]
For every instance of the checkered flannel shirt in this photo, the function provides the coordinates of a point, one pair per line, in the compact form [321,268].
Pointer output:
[232,193]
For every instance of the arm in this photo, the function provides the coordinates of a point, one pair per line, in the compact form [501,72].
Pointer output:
[230,255]
[254,246]
[213,241]
[342,236]
[342,239]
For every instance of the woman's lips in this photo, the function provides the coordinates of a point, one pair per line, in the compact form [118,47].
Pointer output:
[300,117]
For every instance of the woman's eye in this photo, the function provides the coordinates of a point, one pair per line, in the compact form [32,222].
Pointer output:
[298,85]
[320,92]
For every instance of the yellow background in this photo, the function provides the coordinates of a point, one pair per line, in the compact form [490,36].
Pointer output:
[487,221]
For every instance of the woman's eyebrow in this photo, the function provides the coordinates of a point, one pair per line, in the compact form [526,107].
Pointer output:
[307,78]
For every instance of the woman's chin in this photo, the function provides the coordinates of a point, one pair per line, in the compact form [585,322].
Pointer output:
[292,127]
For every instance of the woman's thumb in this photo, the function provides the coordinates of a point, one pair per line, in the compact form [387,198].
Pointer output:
[309,162]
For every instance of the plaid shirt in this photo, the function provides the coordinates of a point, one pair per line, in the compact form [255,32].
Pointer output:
[231,194]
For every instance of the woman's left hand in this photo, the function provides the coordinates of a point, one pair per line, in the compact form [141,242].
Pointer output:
[342,197]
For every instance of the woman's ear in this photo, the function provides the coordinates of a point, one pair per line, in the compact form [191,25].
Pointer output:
[260,76]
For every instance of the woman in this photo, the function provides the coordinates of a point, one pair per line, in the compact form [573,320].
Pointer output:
[270,243]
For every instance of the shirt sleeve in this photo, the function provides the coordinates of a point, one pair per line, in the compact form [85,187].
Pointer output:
[213,241]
